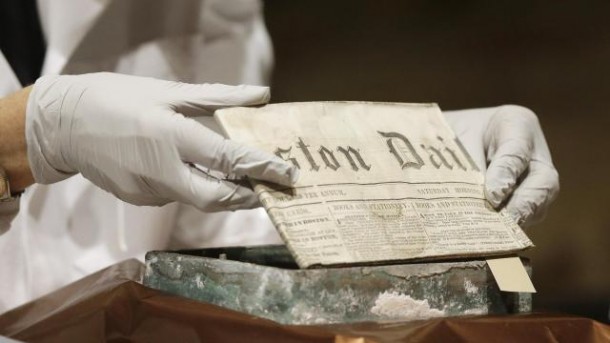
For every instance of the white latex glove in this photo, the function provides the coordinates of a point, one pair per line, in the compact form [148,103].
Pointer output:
[508,145]
[129,135]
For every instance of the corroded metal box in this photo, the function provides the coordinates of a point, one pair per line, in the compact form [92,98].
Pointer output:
[265,281]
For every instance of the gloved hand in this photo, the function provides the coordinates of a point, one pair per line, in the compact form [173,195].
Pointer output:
[129,135]
[508,145]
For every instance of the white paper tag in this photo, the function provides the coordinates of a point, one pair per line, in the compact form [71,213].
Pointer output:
[510,274]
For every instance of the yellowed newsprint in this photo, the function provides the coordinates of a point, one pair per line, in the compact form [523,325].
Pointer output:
[379,182]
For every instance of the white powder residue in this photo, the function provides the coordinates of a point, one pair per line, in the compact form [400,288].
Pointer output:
[476,311]
[199,282]
[470,287]
[401,306]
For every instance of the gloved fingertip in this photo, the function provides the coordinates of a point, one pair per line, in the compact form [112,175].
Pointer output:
[266,96]
[294,174]
[521,218]
[494,196]
[515,216]
[257,95]
[526,209]
[287,174]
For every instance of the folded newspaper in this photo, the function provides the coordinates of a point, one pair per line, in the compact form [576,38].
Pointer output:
[380,183]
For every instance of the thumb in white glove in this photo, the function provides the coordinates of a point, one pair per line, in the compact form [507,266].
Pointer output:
[129,135]
[508,144]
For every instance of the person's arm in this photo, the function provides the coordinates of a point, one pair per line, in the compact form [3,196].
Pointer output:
[13,149]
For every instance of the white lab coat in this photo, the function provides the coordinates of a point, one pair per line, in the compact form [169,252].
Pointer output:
[70,229]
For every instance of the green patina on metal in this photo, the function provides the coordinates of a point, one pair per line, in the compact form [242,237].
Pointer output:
[265,281]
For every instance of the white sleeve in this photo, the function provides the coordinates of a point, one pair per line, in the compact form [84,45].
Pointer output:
[8,211]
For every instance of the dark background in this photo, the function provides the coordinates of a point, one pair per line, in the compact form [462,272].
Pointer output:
[552,57]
